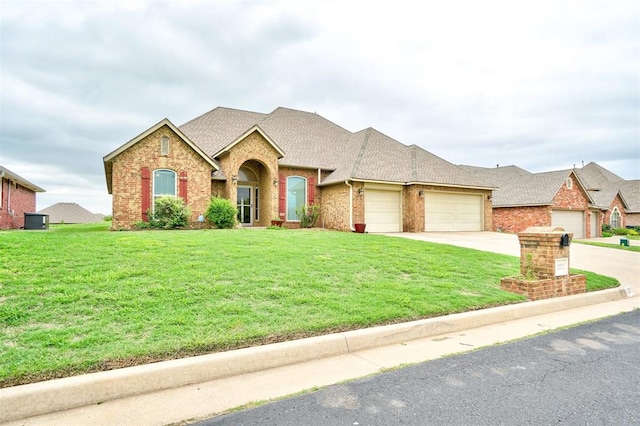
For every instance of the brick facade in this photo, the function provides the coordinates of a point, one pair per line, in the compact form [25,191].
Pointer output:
[517,219]
[127,176]
[616,203]
[258,155]
[255,153]
[16,200]
[332,210]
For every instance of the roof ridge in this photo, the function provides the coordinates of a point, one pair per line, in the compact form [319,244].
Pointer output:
[363,147]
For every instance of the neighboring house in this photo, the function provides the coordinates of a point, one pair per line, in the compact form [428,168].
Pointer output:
[70,213]
[580,200]
[630,191]
[268,165]
[617,198]
[17,197]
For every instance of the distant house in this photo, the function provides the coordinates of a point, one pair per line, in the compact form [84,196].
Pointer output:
[17,197]
[617,198]
[580,200]
[70,213]
[270,165]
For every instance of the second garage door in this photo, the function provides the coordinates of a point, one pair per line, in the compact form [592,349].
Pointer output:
[444,211]
[382,210]
[571,221]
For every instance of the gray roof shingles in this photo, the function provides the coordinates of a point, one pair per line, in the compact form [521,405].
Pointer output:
[70,213]
[310,140]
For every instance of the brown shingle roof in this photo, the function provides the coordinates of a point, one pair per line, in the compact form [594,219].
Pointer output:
[70,213]
[310,140]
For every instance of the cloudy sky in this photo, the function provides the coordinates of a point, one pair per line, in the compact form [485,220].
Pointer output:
[544,85]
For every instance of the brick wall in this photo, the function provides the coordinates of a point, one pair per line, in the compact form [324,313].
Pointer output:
[545,289]
[255,152]
[16,201]
[539,251]
[126,180]
[335,207]
[617,202]
[517,219]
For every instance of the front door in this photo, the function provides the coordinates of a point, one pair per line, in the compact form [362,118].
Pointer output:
[244,205]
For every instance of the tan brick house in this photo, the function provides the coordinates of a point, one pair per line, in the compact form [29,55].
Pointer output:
[580,200]
[270,164]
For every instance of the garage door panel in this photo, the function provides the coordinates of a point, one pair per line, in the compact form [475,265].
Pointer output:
[383,211]
[571,221]
[453,212]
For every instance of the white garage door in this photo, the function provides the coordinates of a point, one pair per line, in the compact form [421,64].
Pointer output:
[444,211]
[382,211]
[571,221]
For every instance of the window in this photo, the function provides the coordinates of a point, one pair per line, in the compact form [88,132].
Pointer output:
[615,218]
[164,183]
[296,196]
[569,183]
[164,145]
[246,175]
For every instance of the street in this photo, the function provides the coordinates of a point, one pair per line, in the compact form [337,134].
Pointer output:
[588,374]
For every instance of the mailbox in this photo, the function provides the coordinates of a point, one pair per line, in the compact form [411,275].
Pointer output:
[564,240]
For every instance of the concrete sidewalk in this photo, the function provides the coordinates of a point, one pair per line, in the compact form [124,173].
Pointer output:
[173,391]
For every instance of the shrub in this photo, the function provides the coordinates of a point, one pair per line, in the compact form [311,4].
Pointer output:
[221,213]
[607,234]
[606,228]
[169,212]
[624,231]
[108,218]
[308,215]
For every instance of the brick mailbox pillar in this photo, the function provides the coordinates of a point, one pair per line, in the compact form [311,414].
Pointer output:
[544,265]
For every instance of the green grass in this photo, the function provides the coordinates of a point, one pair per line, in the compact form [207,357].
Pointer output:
[613,246]
[78,298]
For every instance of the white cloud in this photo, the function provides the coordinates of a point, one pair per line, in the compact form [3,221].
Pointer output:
[542,84]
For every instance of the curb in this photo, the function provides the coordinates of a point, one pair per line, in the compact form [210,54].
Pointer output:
[29,400]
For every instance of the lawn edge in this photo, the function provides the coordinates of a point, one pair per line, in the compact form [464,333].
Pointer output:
[33,399]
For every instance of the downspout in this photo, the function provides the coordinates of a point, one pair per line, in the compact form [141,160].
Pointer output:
[346,182]
[9,197]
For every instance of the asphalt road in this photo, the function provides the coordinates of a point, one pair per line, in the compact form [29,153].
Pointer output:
[585,375]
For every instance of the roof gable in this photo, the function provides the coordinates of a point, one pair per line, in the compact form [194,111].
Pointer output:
[108,159]
[534,189]
[240,138]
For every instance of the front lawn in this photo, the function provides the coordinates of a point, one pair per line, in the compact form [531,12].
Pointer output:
[79,298]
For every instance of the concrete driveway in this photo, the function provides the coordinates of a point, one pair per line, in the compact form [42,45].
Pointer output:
[620,264]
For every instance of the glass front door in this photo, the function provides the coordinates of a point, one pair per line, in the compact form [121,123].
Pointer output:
[244,205]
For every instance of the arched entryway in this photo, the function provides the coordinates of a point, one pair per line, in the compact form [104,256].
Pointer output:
[253,194]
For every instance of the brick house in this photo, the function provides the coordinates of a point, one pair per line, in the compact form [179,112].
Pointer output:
[618,199]
[580,200]
[17,197]
[270,164]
